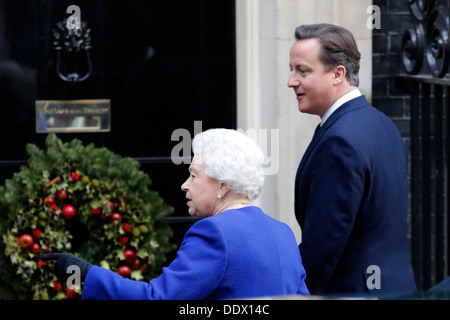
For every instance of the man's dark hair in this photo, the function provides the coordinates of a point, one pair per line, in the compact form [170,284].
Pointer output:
[338,47]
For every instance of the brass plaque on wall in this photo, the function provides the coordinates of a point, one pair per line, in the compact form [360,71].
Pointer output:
[73,115]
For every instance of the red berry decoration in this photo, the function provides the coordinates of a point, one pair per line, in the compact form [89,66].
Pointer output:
[96,211]
[37,233]
[53,208]
[136,264]
[71,294]
[74,176]
[124,271]
[126,227]
[61,195]
[26,241]
[68,211]
[42,263]
[57,286]
[46,249]
[123,240]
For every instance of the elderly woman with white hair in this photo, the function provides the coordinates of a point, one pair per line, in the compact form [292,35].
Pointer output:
[234,251]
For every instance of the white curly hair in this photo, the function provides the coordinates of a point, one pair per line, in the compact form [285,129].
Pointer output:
[233,158]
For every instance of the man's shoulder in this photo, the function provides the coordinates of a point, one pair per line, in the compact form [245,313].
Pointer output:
[359,117]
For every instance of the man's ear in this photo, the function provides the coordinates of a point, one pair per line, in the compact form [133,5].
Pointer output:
[339,74]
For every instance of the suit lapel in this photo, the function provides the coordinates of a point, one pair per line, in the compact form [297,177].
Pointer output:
[316,137]
[345,108]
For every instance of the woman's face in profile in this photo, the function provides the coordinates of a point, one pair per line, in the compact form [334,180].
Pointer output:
[201,190]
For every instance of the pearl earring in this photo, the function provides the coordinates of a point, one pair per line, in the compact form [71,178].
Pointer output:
[219,196]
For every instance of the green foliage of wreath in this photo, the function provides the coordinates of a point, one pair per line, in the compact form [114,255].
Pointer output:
[82,200]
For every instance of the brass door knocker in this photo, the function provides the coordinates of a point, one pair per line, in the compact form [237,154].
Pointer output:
[73,43]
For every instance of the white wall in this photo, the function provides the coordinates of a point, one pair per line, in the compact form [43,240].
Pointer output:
[265,34]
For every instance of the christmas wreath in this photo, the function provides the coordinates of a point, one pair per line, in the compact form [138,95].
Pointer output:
[82,200]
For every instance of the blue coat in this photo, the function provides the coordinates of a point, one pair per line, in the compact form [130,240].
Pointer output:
[236,254]
[351,203]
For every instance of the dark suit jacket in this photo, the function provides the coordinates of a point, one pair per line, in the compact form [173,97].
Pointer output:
[351,204]
[239,253]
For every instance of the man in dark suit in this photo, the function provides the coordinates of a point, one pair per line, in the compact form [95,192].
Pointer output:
[351,184]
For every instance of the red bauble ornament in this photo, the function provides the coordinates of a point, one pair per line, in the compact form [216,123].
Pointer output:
[26,241]
[49,201]
[124,271]
[61,195]
[116,216]
[35,248]
[130,255]
[68,211]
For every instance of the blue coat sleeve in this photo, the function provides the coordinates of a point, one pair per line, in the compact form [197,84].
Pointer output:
[194,274]
[337,178]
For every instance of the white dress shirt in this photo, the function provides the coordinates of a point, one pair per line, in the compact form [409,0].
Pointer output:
[339,102]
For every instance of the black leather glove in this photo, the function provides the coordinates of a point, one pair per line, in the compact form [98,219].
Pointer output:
[63,261]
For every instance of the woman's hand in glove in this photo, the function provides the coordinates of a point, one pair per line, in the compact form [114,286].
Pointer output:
[64,261]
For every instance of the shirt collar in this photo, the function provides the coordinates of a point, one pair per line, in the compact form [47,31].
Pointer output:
[339,102]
